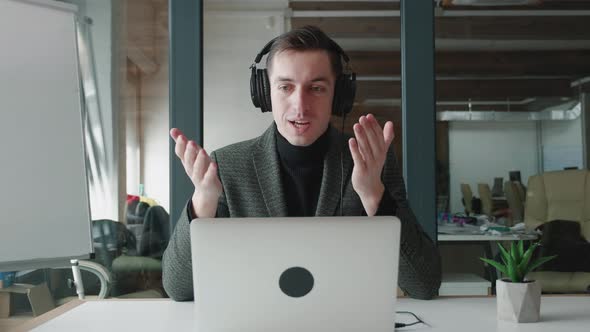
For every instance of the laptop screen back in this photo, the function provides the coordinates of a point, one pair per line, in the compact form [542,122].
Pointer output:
[295,274]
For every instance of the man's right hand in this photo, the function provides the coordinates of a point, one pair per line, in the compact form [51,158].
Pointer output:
[202,172]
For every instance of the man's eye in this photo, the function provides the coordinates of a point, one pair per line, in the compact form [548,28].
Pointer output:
[317,88]
[283,87]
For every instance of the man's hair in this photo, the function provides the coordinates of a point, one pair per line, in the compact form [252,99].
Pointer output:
[307,38]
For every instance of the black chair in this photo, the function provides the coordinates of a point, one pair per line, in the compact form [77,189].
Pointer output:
[156,232]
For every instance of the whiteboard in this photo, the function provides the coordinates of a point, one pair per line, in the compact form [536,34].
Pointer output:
[558,157]
[44,209]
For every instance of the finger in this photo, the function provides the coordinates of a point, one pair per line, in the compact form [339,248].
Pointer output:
[211,173]
[374,135]
[180,147]
[388,134]
[375,126]
[201,165]
[356,154]
[190,154]
[361,138]
[175,132]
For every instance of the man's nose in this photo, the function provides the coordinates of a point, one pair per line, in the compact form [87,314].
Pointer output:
[300,100]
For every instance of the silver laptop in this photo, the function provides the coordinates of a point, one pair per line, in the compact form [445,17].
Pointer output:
[295,274]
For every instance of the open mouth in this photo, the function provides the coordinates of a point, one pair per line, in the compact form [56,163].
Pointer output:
[300,126]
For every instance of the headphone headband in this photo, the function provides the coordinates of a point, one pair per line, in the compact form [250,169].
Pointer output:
[264,50]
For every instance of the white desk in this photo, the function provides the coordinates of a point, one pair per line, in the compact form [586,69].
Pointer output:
[558,313]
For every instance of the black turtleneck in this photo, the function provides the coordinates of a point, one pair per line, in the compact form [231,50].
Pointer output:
[301,170]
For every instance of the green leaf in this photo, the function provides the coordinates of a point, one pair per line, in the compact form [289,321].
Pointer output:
[540,262]
[523,266]
[532,248]
[495,264]
[514,253]
[512,274]
[503,260]
[518,271]
[505,254]
[520,248]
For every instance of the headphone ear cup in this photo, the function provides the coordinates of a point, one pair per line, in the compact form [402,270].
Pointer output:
[254,88]
[337,100]
[260,89]
[266,91]
[348,93]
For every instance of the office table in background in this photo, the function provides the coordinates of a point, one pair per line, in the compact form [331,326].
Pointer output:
[469,234]
[558,313]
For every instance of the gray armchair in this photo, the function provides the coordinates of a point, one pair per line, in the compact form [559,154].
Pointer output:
[560,195]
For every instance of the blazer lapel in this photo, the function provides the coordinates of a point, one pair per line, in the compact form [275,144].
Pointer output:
[268,172]
[332,175]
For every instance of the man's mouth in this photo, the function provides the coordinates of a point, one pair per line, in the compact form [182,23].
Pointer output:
[300,126]
[299,123]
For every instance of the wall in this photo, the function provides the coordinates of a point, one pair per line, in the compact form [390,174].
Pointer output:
[144,98]
[155,124]
[480,151]
[562,144]
[232,39]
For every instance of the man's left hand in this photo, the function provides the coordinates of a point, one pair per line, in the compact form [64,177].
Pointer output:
[369,151]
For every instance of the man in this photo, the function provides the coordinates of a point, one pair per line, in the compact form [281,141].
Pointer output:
[299,167]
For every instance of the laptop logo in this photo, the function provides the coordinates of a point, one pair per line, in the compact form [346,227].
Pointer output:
[296,282]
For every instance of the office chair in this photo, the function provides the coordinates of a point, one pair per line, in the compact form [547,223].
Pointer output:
[467,198]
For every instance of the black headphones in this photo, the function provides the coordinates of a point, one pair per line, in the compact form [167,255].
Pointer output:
[344,89]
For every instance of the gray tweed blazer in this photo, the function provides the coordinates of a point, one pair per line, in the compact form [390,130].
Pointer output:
[251,177]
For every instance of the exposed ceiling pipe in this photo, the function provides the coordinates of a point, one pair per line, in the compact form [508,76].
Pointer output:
[397,78]
[490,2]
[580,81]
[562,112]
[459,104]
[448,44]
[481,102]
[439,12]
[570,110]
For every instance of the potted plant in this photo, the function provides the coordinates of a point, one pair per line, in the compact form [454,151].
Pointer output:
[518,299]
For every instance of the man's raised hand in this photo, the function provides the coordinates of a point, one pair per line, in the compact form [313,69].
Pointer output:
[369,152]
[203,174]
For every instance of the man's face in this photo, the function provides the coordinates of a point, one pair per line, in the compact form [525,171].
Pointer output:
[302,88]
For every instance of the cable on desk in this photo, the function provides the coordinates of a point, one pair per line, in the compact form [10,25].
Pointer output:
[401,325]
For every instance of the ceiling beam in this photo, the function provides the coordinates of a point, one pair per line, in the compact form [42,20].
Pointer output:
[514,27]
[572,63]
[353,27]
[492,89]
[343,5]
[542,5]
[459,27]
[144,62]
